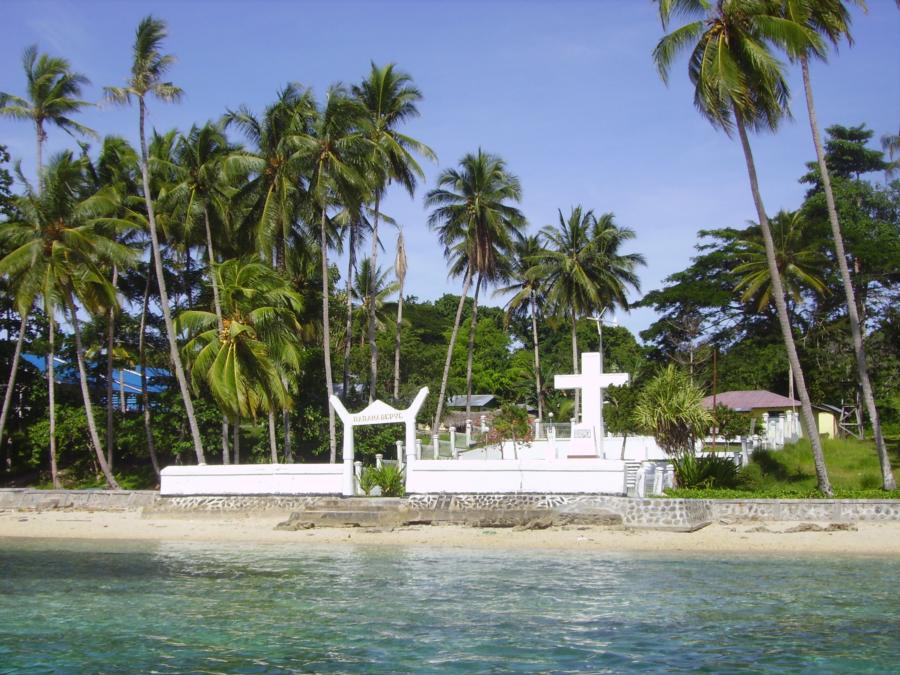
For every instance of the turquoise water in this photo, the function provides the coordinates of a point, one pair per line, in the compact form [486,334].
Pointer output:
[92,607]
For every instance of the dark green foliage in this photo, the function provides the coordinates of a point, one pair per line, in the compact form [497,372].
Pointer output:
[705,472]
[389,478]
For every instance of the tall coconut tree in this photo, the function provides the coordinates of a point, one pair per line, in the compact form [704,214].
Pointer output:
[53,96]
[830,19]
[57,254]
[390,99]
[570,273]
[527,290]
[476,224]
[739,85]
[335,151]
[384,288]
[244,363]
[400,269]
[201,192]
[148,70]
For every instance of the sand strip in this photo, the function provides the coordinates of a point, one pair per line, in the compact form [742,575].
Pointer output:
[865,538]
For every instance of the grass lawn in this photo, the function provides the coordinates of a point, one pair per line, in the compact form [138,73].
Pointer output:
[789,473]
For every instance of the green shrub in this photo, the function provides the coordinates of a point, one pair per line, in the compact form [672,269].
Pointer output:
[750,477]
[389,478]
[705,472]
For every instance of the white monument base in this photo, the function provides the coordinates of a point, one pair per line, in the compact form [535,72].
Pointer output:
[488,476]
[252,479]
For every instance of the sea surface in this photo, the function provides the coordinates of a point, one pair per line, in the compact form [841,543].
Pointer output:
[176,607]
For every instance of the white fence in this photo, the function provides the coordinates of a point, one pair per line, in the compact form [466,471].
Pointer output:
[511,476]
[251,479]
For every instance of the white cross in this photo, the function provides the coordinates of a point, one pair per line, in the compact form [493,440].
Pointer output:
[592,381]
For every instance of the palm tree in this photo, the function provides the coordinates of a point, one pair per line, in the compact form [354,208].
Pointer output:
[201,190]
[526,290]
[476,225]
[272,170]
[52,98]
[244,363]
[148,69]
[830,19]
[367,279]
[738,83]
[798,263]
[57,252]
[400,269]
[570,272]
[334,149]
[389,97]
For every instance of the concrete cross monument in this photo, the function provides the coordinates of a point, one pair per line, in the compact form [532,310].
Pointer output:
[377,412]
[587,435]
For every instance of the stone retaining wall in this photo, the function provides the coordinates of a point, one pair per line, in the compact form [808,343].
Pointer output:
[680,514]
[88,500]
[832,510]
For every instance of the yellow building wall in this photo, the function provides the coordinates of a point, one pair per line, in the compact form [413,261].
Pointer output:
[827,424]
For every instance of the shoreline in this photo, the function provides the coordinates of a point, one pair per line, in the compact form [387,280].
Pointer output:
[862,538]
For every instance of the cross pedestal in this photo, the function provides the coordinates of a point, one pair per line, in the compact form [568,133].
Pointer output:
[587,435]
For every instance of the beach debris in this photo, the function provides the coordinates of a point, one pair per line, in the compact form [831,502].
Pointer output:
[534,524]
[831,527]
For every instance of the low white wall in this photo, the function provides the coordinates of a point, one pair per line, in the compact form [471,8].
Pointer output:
[252,479]
[637,449]
[523,475]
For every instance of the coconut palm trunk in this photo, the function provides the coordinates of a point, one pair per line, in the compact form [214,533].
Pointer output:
[446,375]
[142,358]
[400,269]
[348,326]
[859,348]
[575,416]
[164,298]
[537,356]
[86,395]
[236,439]
[110,340]
[217,304]
[288,442]
[51,395]
[373,262]
[11,383]
[473,325]
[326,332]
[809,422]
[273,438]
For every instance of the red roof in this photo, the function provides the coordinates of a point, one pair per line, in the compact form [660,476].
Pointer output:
[748,400]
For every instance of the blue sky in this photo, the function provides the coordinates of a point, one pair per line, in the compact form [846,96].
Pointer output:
[565,91]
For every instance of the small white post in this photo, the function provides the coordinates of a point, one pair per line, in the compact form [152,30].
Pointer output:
[484,424]
[399,454]
[436,444]
[537,428]
[357,475]
[418,449]
[453,451]
[468,434]
[379,460]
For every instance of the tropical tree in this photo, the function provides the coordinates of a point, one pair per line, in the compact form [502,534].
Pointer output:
[57,253]
[830,19]
[670,408]
[335,150]
[389,98]
[149,67]
[797,260]
[53,96]
[528,291]
[384,288]
[569,269]
[244,363]
[271,172]
[400,269]
[739,84]
[476,224]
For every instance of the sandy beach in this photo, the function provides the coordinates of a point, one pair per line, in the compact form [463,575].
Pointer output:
[865,538]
